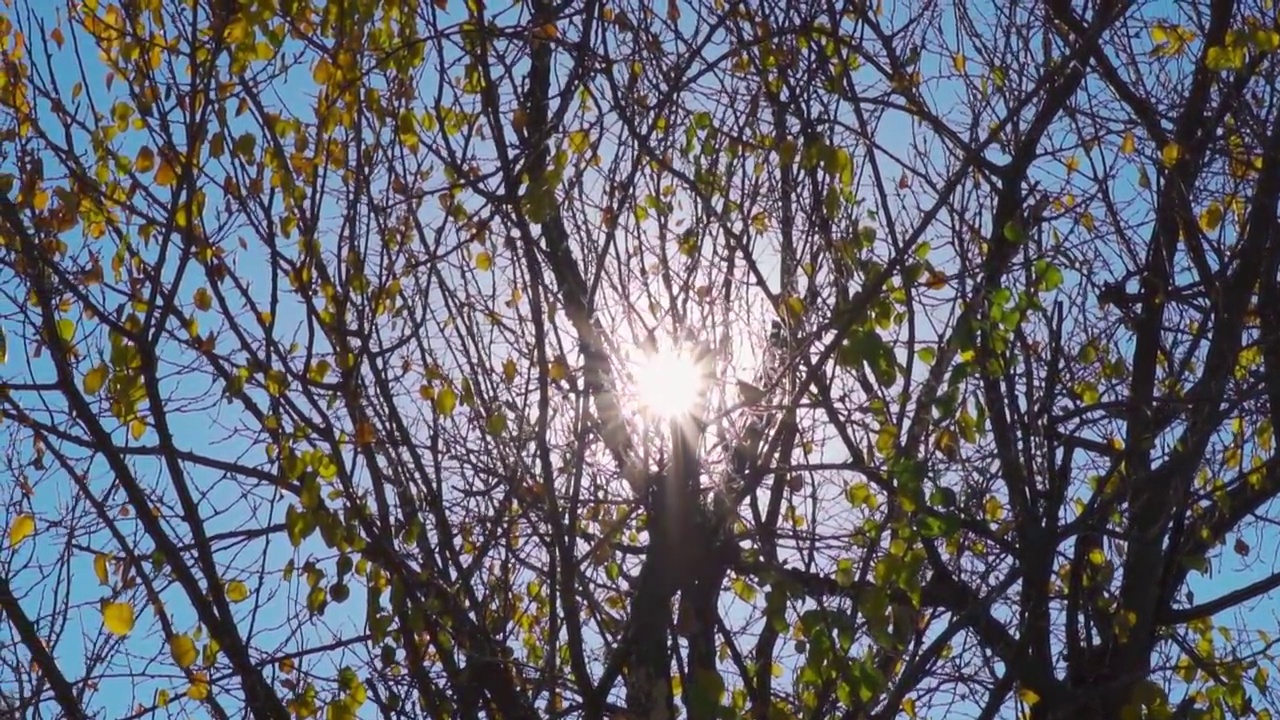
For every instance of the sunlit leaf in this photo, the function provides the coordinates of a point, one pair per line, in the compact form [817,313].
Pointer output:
[23,527]
[446,400]
[1224,59]
[66,330]
[1211,217]
[100,568]
[117,618]
[183,650]
[237,591]
[199,688]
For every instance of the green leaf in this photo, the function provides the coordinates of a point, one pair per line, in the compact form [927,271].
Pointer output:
[496,424]
[538,199]
[936,526]
[1014,232]
[844,573]
[1052,278]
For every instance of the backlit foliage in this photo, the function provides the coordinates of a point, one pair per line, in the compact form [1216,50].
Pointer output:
[316,321]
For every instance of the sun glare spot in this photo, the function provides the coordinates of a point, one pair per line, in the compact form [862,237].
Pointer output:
[668,383]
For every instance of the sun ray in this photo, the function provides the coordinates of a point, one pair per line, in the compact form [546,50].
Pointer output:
[669,383]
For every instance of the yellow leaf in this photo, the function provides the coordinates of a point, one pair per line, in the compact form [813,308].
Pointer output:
[795,306]
[1221,59]
[287,666]
[558,371]
[199,689]
[947,442]
[1266,41]
[203,299]
[1028,696]
[1169,155]
[1211,218]
[117,618]
[137,429]
[509,371]
[100,568]
[1129,145]
[23,527]
[95,379]
[579,142]
[446,400]
[237,591]
[145,161]
[165,175]
[323,72]
[183,650]
[484,261]
[1072,163]
[1170,40]
[958,62]
[426,392]
[339,710]
[365,434]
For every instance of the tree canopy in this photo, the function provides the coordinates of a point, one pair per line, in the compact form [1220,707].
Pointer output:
[631,359]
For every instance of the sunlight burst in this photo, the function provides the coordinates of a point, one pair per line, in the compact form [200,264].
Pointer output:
[668,383]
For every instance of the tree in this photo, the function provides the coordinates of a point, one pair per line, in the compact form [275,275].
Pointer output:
[323,324]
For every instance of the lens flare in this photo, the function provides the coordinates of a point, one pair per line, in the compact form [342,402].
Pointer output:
[668,383]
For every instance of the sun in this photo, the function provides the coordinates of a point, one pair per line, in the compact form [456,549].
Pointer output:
[668,383]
